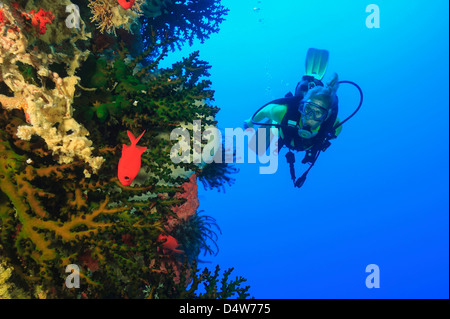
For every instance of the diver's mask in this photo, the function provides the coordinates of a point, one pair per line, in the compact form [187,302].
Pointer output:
[311,112]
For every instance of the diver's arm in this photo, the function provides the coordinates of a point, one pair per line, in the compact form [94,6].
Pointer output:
[273,112]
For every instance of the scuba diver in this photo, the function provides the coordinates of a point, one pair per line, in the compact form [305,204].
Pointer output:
[307,120]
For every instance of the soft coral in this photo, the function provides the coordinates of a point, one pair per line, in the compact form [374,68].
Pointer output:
[4,21]
[39,19]
[2,18]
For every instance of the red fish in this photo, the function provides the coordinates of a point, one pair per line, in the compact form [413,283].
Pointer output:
[130,162]
[126,4]
[170,244]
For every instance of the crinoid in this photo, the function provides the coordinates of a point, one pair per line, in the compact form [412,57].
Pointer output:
[217,174]
[197,234]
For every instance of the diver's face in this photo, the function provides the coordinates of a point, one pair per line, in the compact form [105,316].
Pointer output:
[311,123]
[313,114]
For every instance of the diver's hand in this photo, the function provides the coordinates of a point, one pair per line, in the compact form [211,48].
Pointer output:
[247,124]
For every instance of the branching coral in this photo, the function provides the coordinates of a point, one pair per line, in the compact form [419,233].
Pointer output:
[214,288]
[185,20]
[51,229]
[65,108]
[152,99]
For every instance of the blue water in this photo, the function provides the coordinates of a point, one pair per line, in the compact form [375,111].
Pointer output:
[379,194]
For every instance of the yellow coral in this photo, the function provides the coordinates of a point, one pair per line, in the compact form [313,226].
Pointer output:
[49,112]
[109,15]
[17,186]
[8,289]
[15,103]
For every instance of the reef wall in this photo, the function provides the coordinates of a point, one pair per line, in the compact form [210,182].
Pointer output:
[75,76]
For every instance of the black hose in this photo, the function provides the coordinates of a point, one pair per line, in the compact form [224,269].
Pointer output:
[359,106]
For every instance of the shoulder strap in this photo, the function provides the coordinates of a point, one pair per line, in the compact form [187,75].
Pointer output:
[289,124]
[292,115]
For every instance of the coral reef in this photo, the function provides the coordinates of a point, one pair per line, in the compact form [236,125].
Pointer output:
[40,19]
[213,287]
[68,96]
[110,15]
[48,111]
[190,206]
[195,234]
[186,20]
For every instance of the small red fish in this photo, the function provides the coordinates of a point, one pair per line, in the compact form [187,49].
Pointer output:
[170,244]
[130,162]
[126,4]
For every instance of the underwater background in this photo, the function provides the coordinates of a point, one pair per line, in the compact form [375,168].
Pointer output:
[70,98]
[379,194]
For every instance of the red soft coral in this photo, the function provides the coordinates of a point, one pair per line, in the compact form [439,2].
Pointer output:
[189,207]
[5,22]
[2,18]
[40,19]
[190,194]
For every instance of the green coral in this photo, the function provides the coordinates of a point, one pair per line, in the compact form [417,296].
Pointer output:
[153,99]
[53,215]
[215,288]
[96,222]
[201,285]
[51,234]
